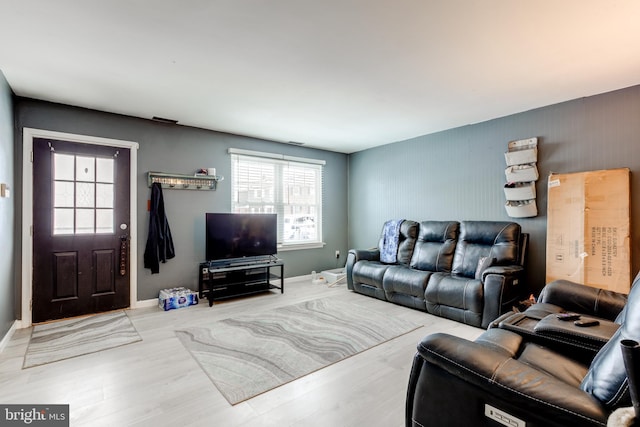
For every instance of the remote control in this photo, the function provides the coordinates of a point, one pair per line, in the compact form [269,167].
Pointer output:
[585,323]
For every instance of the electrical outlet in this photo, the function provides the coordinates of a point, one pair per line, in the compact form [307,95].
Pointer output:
[337,254]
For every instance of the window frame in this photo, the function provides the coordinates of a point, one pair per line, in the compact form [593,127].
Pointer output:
[280,162]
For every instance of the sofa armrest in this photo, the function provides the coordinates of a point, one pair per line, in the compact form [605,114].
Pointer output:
[596,335]
[509,271]
[583,299]
[498,376]
[372,254]
[501,285]
[356,255]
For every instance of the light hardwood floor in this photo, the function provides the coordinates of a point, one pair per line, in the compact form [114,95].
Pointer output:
[156,382]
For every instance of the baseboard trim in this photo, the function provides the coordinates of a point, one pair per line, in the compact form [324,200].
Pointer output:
[146,303]
[153,302]
[8,335]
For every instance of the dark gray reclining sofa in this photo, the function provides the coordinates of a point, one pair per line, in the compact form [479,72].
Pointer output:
[470,271]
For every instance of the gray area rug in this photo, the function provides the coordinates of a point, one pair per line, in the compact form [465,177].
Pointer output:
[248,355]
[56,341]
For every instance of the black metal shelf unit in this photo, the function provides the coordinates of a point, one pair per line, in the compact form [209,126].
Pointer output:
[228,281]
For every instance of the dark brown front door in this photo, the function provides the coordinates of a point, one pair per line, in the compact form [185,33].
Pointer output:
[80,228]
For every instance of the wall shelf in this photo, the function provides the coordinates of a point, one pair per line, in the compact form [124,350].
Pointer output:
[184,182]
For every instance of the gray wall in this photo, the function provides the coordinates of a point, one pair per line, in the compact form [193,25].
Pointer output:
[456,174]
[178,149]
[7,208]
[459,174]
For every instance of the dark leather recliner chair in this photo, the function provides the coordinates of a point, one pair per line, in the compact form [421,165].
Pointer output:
[524,379]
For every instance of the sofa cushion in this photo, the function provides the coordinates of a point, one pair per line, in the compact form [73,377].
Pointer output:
[406,242]
[454,297]
[495,240]
[607,377]
[369,273]
[435,246]
[405,286]
[537,356]
[502,341]
[566,369]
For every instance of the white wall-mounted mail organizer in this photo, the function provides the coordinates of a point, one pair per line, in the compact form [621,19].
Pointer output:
[521,175]
[520,190]
[522,152]
[521,208]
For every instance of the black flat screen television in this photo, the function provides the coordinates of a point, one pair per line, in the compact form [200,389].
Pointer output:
[237,235]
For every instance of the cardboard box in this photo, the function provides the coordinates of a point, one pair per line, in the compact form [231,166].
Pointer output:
[169,299]
[588,229]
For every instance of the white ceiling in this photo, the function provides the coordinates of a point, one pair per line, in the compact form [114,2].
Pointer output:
[341,75]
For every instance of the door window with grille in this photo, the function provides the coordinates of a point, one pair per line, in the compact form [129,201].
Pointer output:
[83,199]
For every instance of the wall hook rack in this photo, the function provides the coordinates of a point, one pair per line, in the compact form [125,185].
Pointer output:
[184,182]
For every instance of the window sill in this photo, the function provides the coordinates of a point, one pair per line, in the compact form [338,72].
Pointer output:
[297,246]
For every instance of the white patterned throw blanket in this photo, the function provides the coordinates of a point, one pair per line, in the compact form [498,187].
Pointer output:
[390,240]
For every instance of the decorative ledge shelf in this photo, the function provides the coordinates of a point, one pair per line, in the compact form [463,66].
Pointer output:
[184,182]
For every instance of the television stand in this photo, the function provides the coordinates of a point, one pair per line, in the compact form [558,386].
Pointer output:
[228,281]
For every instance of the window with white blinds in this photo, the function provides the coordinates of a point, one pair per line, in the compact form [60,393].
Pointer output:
[288,186]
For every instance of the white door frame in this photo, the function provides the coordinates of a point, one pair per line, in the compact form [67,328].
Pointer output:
[28,134]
